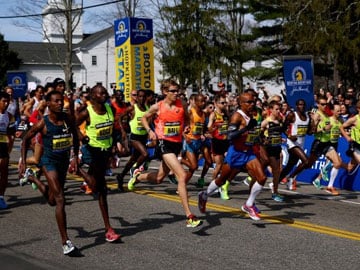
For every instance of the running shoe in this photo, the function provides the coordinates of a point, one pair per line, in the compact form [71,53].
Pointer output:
[132,169]
[192,221]
[202,199]
[83,187]
[201,182]
[277,197]
[111,236]
[88,190]
[68,247]
[135,170]
[36,175]
[283,181]
[247,180]
[24,180]
[3,204]
[132,181]
[291,184]
[172,179]
[325,171]
[251,212]
[332,191]
[271,186]
[257,210]
[224,189]
[34,186]
[317,183]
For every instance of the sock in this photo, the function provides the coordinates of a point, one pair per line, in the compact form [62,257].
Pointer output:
[333,174]
[255,190]
[212,188]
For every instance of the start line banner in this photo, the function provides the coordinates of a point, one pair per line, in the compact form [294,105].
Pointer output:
[134,55]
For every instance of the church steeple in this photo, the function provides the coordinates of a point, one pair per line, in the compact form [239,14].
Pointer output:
[54,23]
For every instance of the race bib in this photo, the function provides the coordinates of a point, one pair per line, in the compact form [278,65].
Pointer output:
[172,129]
[198,128]
[61,143]
[104,131]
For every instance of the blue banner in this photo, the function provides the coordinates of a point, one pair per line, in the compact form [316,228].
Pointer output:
[17,80]
[299,79]
[343,180]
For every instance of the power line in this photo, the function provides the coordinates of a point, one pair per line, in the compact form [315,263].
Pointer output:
[59,11]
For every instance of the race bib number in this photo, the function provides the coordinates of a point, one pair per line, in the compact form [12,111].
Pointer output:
[275,141]
[172,129]
[223,129]
[301,130]
[104,131]
[198,128]
[252,136]
[61,143]
[140,126]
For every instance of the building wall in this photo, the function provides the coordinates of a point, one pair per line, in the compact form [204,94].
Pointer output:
[41,74]
[104,70]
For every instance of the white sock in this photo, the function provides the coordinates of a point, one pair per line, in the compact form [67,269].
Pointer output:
[255,190]
[212,188]
[333,174]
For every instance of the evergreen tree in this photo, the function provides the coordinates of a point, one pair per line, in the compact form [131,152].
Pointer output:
[268,32]
[9,60]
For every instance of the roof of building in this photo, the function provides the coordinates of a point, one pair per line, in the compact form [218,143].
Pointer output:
[41,52]
[92,38]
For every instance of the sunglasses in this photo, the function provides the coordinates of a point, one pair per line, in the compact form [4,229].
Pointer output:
[134,95]
[223,103]
[323,104]
[250,101]
[173,91]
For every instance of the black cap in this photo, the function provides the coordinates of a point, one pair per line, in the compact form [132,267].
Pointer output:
[58,81]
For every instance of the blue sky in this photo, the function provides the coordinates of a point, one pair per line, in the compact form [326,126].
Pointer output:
[14,33]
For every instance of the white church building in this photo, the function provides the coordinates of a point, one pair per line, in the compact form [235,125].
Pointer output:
[93,55]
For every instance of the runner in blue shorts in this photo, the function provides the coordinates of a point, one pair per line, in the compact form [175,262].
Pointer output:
[242,136]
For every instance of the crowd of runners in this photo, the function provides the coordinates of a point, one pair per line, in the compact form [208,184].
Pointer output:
[87,132]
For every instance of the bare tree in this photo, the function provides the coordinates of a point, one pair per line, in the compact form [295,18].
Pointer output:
[126,8]
[64,16]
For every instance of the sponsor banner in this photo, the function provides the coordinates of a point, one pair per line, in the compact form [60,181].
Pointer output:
[18,81]
[134,56]
[299,79]
[343,180]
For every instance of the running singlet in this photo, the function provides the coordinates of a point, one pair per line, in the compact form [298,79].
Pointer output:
[299,129]
[324,135]
[273,133]
[100,129]
[4,124]
[57,141]
[169,124]
[221,123]
[197,126]
[118,111]
[355,130]
[245,141]
[335,130]
[136,126]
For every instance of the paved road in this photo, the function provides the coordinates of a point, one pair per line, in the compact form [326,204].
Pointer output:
[311,230]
